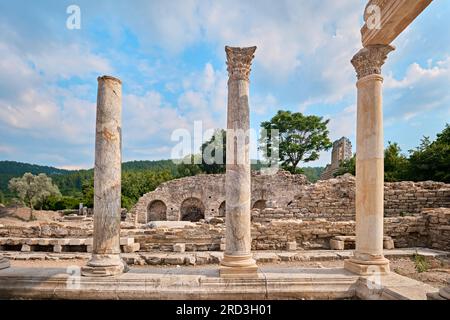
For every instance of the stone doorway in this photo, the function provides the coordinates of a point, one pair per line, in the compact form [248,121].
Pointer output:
[192,209]
[156,211]
[222,210]
[260,204]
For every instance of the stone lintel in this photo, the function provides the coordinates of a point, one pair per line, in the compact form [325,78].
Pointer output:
[396,16]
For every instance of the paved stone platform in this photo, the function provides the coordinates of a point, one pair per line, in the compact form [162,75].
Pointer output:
[205,283]
[214,257]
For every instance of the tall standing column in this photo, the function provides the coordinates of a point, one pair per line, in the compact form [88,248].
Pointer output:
[106,260]
[4,263]
[238,260]
[368,257]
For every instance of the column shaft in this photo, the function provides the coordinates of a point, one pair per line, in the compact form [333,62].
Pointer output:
[369,202]
[106,259]
[238,259]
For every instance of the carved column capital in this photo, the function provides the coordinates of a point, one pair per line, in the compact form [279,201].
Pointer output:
[239,61]
[369,60]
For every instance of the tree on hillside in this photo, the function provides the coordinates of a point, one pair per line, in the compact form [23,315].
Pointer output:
[188,166]
[431,160]
[32,189]
[300,138]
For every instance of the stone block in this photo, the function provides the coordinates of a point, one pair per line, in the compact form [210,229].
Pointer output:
[126,241]
[77,242]
[179,247]
[388,244]
[89,248]
[174,259]
[337,244]
[131,248]
[57,248]
[25,248]
[291,246]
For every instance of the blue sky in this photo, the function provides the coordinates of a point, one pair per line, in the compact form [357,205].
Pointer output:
[170,57]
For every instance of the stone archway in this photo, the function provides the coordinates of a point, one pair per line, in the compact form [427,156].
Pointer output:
[260,204]
[222,210]
[192,209]
[156,211]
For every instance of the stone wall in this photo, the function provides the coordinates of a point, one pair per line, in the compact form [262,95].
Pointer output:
[335,198]
[289,196]
[430,229]
[171,197]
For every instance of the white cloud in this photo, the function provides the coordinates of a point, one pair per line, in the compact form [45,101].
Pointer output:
[420,91]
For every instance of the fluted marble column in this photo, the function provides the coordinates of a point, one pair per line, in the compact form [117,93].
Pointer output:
[4,263]
[368,257]
[238,260]
[106,260]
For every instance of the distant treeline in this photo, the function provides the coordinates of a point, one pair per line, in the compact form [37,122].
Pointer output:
[77,186]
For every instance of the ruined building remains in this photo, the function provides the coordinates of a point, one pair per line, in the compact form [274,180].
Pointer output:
[342,151]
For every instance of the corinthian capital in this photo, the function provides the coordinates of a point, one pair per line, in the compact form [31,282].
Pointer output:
[239,61]
[370,59]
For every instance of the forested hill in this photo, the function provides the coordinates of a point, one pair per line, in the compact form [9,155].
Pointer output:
[138,177]
[19,168]
[71,181]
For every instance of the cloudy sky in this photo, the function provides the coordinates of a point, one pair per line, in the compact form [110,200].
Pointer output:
[170,57]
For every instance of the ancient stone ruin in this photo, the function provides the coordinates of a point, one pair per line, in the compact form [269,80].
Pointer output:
[342,151]
[241,220]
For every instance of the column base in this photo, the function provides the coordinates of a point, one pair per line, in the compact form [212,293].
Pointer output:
[445,292]
[242,266]
[104,265]
[4,263]
[367,267]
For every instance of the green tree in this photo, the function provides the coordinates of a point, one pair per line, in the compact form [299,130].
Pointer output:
[431,160]
[347,166]
[188,166]
[32,189]
[395,164]
[211,161]
[300,138]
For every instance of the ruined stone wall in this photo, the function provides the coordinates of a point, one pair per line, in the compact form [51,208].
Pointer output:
[209,191]
[289,196]
[430,229]
[335,198]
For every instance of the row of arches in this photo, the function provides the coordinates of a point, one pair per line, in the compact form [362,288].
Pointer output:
[191,209]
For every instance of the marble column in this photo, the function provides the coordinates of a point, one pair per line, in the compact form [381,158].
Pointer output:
[238,260]
[4,263]
[106,260]
[368,256]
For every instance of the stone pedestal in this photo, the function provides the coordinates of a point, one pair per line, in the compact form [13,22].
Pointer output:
[4,263]
[238,260]
[369,198]
[445,292]
[106,260]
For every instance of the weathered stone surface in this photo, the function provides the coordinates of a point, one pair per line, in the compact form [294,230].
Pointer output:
[106,259]
[237,258]
[179,247]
